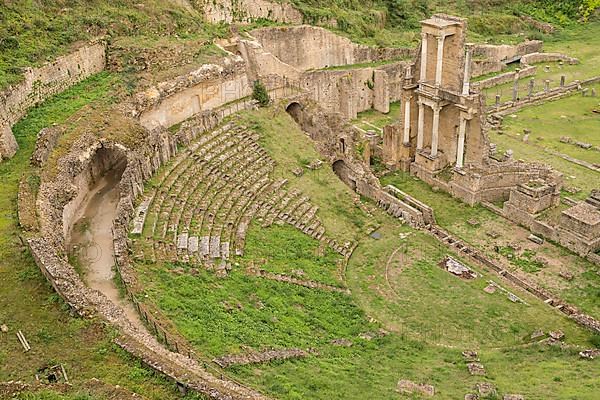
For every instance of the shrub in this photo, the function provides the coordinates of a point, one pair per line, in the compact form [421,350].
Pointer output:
[260,94]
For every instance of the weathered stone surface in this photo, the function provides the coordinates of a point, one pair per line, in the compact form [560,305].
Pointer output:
[476,368]
[590,354]
[409,387]
[261,357]
[513,397]
[486,389]
[8,143]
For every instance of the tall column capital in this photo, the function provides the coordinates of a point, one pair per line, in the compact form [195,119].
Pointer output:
[440,38]
[424,35]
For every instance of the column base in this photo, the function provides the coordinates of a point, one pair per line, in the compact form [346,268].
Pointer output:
[428,162]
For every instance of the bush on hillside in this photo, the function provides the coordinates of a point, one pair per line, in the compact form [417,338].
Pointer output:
[260,94]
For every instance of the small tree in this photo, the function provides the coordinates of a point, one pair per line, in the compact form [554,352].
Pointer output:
[260,94]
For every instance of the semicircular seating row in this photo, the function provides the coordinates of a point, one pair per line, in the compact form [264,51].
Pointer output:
[205,199]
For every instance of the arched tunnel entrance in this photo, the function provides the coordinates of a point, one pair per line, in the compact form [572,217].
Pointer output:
[344,173]
[295,111]
[90,239]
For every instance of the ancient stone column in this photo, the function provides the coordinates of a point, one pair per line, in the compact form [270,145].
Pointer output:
[531,86]
[460,149]
[391,144]
[515,92]
[497,100]
[562,80]
[467,76]
[420,126]
[435,130]
[406,138]
[440,59]
[547,85]
[423,56]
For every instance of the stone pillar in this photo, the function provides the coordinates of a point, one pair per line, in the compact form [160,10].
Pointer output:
[515,91]
[531,86]
[367,152]
[435,130]
[381,96]
[497,100]
[406,138]
[547,85]
[440,59]
[423,76]
[420,126]
[594,94]
[8,143]
[460,149]
[391,145]
[467,76]
[562,80]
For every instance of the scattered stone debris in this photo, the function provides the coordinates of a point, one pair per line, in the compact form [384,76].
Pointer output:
[567,275]
[341,342]
[298,171]
[557,335]
[535,239]
[490,289]
[376,235]
[373,335]
[486,389]
[471,396]
[590,354]
[476,368]
[571,189]
[493,234]
[538,333]
[410,387]
[456,268]
[3,328]
[261,357]
[470,355]
[513,397]
[511,296]
[315,164]
[514,246]
[473,222]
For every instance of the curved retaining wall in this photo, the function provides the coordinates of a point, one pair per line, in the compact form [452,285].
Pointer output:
[40,83]
[48,250]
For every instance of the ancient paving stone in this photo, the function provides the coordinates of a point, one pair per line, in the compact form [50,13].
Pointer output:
[204,246]
[476,368]
[182,241]
[409,387]
[193,244]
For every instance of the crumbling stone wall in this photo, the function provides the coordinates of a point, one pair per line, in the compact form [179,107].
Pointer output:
[206,88]
[307,47]
[40,83]
[248,10]
[488,58]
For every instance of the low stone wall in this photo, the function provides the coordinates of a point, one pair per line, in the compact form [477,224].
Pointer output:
[488,58]
[40,83]
[506,77]
[542,97]
[536,58]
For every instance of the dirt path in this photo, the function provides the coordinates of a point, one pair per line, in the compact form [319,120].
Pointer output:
[92,234]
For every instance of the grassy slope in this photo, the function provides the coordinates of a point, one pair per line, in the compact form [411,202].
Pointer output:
[247,311]
[583,291]
[35,31]
[28,303]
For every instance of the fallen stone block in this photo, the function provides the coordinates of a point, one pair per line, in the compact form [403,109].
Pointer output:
[566,275]
[410,387]
[557,335]
[513,397]
[476,368]
[470,355]
[590,354]
[535,239]
[486,389]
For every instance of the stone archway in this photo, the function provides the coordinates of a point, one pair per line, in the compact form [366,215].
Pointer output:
[341,169]
[295,111]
